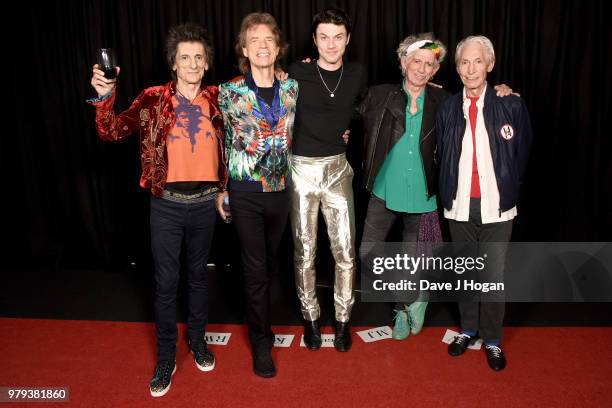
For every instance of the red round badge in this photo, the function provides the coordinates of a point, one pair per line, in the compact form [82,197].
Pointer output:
[506,131]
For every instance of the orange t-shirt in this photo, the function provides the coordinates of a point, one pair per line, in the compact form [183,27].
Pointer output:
[193,151]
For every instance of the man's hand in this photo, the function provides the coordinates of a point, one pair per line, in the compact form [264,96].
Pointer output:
[101,84]
[281,75]
[504,90]
[219,204]
[345,136]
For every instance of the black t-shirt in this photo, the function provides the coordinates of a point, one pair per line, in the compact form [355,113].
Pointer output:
[320,120]
[267,94]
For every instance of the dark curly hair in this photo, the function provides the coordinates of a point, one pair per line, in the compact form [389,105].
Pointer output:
[249,22]
[188,32]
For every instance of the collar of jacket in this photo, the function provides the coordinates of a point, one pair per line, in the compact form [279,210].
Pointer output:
[250,82]
[489,96]
[397,103]
[397,107]
[287,92]
[271,112]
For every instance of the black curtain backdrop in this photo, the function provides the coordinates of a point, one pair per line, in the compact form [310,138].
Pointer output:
[74,200]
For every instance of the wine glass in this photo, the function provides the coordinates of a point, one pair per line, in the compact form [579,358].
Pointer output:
[107,62]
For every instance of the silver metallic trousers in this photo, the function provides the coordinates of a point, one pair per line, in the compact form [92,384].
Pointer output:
[325,183]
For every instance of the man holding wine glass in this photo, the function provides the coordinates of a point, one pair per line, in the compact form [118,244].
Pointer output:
[183,164]
[107,63]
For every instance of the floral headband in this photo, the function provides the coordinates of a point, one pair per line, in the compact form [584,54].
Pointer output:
[425,45]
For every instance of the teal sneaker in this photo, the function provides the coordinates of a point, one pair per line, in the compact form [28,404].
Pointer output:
[416,314]
[401,326]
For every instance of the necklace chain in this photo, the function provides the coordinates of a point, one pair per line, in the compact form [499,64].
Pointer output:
[183,95]
[331,93]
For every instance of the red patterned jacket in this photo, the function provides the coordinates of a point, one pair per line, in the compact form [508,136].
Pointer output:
[153,114]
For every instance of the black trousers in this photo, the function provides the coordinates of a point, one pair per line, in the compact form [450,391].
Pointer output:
[379,221]
[260,220]
[484,317]
[171,223]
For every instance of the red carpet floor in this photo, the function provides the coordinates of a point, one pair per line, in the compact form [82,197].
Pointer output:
[109,364]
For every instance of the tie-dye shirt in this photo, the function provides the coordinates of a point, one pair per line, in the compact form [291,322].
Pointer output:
[192,145]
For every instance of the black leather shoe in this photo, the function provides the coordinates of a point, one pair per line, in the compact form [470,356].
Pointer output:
[312,335]
[343,341]
[495,358]
[459,345]
[263,365]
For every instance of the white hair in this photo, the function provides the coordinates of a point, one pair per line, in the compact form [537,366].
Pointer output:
[478,39]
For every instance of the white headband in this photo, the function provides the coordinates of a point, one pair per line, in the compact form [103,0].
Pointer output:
[417,45]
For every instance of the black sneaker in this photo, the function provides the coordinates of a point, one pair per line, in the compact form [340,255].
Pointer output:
[459,345]
[162,379]
[263,365]
[204,358]
[495,358]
